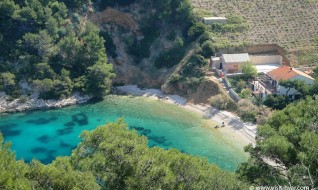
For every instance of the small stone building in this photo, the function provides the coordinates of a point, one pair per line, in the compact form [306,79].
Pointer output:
[231,63]
[214,20]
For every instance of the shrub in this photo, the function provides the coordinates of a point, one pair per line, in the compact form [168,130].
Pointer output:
[208,49]
[7,82]
[197,30]
[170,58]
[222,102]
[247,111]
[205,37]
[246,93]
[141,49]
[240,85]
[175,78]
[179,42]
[277,102]
[23,99]
[194,66]
[249,70]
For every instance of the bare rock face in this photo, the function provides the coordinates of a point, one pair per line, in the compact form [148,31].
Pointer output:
[29,103]
[110,15]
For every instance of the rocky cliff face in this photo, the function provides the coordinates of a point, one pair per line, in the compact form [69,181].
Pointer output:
[32,103]
[123,25]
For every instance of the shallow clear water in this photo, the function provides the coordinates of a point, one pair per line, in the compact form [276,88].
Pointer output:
[44,135]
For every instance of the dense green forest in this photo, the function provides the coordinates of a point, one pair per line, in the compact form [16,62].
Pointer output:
[290,140]
[55,50]
[52,49]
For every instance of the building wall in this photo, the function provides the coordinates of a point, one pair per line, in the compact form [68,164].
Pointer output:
[283,90]
[305,79]
[216,62]
[273,49]
[266,59]
[213,20]
[232,67]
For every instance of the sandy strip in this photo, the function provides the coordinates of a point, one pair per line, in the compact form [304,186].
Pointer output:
[234,127]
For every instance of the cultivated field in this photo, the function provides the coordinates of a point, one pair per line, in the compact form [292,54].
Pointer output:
[292,24]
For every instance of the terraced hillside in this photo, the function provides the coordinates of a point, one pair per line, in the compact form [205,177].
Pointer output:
[292,24]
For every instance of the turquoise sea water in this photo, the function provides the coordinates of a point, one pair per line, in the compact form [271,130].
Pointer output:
[44,135]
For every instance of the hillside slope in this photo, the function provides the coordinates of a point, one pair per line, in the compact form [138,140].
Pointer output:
[288,23]
[127,28]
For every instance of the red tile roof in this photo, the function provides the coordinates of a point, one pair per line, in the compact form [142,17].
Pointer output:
[285,72]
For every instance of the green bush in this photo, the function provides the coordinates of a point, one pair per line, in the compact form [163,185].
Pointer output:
[141,49]
[277,102]
[170,58]
[222,102]
[249,70]
[195,66]
[246,93]
[208,49]
[197,30]
[240,85]
[175,78]
[247,111]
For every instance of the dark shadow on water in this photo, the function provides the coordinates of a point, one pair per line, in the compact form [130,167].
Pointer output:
[141,130]
[50,156]
[183,151]
[73,147]
[44,139]
[81,119]
[136,128]
[157,139]
[53,118]
[167,144]
[9,131]
[69,124]
[38,150]
[41,121]
[65,131]
[64,145]
[146,132]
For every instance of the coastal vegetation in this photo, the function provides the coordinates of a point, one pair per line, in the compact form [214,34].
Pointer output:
[55,50]
[52,49]
[114,157]
[287,23]
[289,141]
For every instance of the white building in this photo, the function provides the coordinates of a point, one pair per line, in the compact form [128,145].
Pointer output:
[231,63]
[214,20]
[288,73]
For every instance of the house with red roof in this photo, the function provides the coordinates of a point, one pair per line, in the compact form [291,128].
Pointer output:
[269,84]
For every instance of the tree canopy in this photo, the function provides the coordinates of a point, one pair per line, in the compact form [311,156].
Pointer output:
[249,70]
[287,148]
[51,49]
